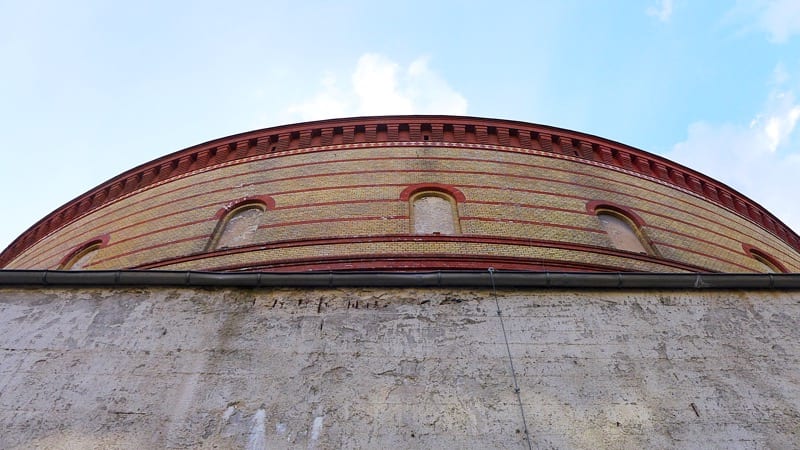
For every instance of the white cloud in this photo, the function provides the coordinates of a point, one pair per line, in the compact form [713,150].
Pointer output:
[779,126]
[663,12]
[761,159]
[778,18]
[375,83]
[330,102]
[379,85]
[780,75]
[781,18]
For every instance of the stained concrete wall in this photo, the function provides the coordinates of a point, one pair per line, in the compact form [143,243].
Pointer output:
[371,368]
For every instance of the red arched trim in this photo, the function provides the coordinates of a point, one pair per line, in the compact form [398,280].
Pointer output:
[594,205]
[445,188]
[756,253]
[99,241]
[264,200]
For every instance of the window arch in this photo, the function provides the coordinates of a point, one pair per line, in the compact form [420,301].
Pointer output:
[82,256]
[623,228]
[238,223]
[767,263]
[433,209]
[433,212]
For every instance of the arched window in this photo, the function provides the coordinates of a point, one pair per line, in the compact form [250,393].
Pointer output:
[622,227]
[434,212]
[433,208]
[767,263]
[238,224]
[82,258]
[83,255]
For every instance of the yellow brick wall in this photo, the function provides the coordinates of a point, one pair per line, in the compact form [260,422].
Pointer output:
[526,198]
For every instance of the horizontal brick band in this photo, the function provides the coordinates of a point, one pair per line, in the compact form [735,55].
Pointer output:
[322,262]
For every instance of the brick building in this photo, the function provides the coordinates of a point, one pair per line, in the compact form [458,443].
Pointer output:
[410,193]
[403,282]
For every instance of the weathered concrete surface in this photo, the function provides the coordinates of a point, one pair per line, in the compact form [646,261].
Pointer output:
[370,368]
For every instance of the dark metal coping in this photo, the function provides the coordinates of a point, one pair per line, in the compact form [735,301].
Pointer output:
[464,279]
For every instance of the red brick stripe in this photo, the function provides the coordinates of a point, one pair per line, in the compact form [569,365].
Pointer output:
[426,238]
[592,150]
[532,166]
[463,218]
[95,229]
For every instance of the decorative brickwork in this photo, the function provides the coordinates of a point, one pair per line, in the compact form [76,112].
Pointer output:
[337,194]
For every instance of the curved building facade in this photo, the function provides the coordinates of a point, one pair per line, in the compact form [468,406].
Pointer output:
[361,349]
[410,193]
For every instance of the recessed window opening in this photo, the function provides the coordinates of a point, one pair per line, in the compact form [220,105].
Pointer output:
[81,258]
[767,263]
[239,226]
[623,232]
[434,213]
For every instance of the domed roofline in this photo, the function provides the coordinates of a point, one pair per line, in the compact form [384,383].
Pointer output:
[412,130]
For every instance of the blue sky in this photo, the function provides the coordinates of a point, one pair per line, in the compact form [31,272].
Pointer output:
[89,89]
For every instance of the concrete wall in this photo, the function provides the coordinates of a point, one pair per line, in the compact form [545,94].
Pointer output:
[368,368]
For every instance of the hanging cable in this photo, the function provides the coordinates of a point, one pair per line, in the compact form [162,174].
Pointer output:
[510,360]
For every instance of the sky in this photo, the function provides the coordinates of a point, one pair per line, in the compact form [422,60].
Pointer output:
[89,89]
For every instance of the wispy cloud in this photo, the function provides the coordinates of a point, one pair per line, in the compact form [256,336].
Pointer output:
[761,158]
[663,11]
[379,85]
[778,18]
[779,124]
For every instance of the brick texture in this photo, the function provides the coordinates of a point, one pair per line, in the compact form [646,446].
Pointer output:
[535,201]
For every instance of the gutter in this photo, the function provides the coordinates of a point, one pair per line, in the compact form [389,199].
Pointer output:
[442,279]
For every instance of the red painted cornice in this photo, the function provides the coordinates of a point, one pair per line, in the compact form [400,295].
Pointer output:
[456,131]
